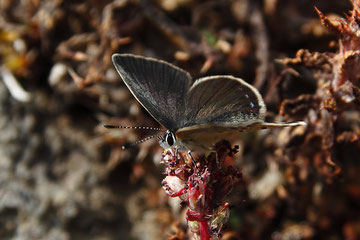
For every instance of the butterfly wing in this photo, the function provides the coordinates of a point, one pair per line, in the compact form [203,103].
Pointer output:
[205,136]
[220,106]
[223,101]
[161,88]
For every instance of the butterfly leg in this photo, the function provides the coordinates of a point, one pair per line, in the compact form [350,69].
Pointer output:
[217,158]
[192,159]
[176,154]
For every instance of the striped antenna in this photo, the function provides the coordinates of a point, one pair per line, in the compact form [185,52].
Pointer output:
[126,127]
[140,141]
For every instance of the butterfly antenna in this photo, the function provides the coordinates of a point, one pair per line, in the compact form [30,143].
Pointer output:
[126,127]
[141,141]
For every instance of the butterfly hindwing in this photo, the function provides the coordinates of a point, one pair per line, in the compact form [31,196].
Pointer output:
[225,101]
[220,107]
[157,85]
[205,136]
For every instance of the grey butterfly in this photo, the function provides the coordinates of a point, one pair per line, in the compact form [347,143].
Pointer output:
[196,115]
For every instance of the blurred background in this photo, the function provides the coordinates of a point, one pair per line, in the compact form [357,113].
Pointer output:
[63,176]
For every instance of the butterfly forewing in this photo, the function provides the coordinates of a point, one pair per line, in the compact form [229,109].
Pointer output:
[157,85]
[223,101]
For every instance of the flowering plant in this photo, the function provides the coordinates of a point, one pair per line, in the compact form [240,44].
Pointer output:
[202,183]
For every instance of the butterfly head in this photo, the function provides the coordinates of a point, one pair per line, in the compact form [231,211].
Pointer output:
[168,140]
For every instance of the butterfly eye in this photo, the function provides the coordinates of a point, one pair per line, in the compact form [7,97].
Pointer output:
[170,139]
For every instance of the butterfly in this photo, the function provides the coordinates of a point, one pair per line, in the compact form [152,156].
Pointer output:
[196,114]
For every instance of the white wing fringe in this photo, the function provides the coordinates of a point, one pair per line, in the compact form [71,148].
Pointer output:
[281,124]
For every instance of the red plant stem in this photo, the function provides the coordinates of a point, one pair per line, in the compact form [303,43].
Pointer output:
[204,230]
[200,218]
[179,193]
